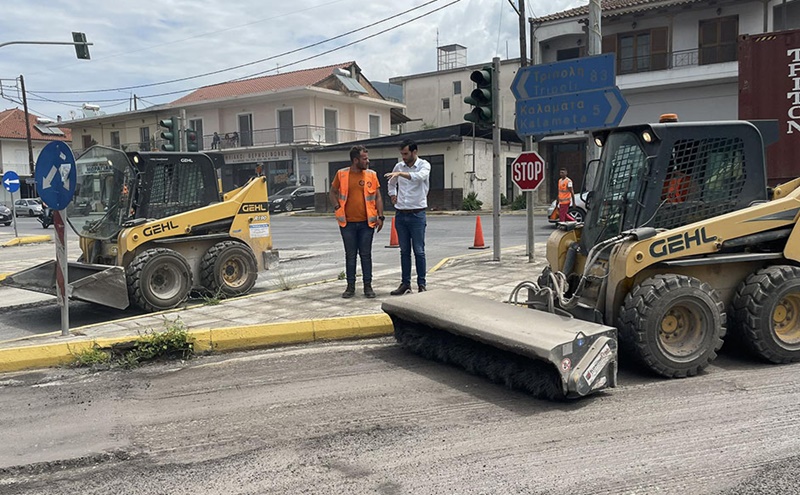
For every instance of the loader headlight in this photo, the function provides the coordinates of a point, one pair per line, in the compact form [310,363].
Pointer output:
[648,138]
[599,141]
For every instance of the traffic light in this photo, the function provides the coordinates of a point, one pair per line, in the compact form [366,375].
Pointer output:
[481,98]
[170,136]
[191,140]
[82,50]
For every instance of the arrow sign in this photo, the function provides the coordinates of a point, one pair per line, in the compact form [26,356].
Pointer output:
[569,76]
[570,112]
[11,181]
[56,175]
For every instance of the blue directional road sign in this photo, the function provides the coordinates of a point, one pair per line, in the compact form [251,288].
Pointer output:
[570,112]
[568,76]
[56,175]
[11,181]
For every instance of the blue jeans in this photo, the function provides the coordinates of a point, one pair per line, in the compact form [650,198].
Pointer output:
[411,234]
[357,237]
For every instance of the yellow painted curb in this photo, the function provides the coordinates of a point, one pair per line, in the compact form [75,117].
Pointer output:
[4,275]
[27,240]
[221,339]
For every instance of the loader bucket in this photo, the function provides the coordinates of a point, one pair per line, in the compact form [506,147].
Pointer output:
[549,356]
[99,284]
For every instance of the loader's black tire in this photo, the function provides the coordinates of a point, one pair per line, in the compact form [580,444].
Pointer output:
[673,324]
[766,313]
[229,267]
[159,279]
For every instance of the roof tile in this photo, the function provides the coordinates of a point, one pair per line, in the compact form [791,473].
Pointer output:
[610,6]
[277,82]
[12,126]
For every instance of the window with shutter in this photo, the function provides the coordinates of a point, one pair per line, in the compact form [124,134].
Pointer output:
[718,40]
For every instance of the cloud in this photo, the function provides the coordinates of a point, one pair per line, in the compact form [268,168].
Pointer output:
[138,43]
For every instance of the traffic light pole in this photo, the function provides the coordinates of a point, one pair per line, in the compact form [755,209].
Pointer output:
[182,131]
[496,175]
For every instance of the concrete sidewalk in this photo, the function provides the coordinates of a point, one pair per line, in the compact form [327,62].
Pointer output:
[303,314]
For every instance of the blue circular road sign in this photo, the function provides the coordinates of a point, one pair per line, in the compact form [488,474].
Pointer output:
[11,181]
[56,175]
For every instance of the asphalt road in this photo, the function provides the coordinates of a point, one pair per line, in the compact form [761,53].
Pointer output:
[310,247]
[366,417]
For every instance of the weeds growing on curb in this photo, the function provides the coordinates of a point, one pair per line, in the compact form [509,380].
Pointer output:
[212,299]
[173,343]
[342,275]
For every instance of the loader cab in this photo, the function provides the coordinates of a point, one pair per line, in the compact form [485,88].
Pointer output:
[105,180]
[173,183]
[673,174]
[114,187]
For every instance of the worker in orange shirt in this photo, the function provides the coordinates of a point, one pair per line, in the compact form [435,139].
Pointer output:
[676,187]
[566,195]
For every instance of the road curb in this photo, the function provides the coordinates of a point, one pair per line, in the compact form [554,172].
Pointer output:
[211,340]
[27,240]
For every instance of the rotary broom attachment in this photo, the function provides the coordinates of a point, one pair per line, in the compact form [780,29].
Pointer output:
[548,356]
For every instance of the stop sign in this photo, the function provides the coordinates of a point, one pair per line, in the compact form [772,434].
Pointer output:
[527,171]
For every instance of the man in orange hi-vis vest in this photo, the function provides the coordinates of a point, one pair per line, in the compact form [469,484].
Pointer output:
[356,197]
[566,195]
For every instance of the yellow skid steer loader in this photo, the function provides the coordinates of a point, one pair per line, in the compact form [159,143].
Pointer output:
[153,227]
[683,246]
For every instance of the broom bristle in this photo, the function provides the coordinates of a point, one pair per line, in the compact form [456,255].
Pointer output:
[530,375]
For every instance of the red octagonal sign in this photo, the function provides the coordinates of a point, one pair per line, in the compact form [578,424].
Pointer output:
[527,171]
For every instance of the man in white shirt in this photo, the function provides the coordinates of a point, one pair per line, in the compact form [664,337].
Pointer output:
[409,183]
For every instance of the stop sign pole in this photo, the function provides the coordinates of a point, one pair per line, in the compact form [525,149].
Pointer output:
[527,172]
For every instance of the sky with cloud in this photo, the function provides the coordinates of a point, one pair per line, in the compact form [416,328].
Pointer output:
[157,50]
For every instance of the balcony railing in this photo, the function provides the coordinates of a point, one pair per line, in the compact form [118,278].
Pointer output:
[297,135]
[302,135]
[670,60]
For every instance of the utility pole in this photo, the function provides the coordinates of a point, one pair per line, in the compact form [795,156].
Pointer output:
[594,45]
[528,144]
[27,124]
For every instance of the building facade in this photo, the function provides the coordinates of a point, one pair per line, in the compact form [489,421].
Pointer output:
[672,56]
[265,122]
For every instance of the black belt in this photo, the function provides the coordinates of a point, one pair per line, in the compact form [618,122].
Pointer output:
[410,211]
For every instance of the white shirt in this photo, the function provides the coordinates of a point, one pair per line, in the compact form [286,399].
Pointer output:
[411,194]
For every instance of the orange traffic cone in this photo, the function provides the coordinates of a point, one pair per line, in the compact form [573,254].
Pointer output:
[478,243]
[393,241]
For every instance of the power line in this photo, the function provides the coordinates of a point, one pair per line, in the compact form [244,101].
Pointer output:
[273,57]
[170,93]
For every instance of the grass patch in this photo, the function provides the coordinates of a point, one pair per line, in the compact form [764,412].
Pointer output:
[173,343]
[213,299]
[93,357]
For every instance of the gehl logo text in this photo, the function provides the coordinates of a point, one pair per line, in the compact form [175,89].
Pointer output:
[680,242]
[254,208]
[157,229]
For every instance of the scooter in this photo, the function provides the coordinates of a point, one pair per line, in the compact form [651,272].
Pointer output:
[46,218]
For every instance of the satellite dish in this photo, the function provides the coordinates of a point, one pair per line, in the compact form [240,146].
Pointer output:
[317,136]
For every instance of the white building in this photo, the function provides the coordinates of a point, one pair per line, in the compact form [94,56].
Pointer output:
[672,56]
[265,121]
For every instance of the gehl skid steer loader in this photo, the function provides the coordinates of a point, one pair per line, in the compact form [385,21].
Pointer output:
[684,246]
[153,227]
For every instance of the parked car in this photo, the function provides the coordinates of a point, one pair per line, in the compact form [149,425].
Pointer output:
[30,207]
[577,212]
[5,215]
[292,198]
